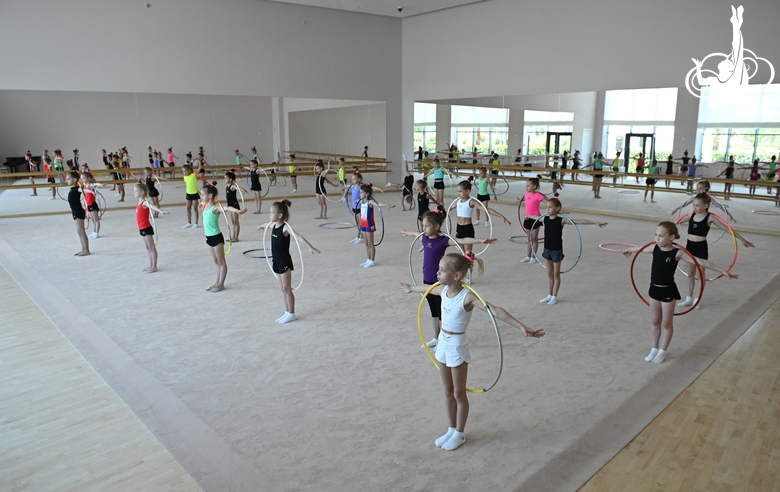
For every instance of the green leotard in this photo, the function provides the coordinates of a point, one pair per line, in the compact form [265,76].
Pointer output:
[482,186]
[210,222]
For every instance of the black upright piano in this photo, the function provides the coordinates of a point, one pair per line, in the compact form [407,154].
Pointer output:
[14,163]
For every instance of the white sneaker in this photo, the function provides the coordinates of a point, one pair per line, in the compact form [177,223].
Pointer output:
[476,222]
[188,226]
[195,226]
[545,300]
[431,343]
[685,303]
[360,240]
[369,264]
[295,190]
[342,199]
[531,260]
[422,248]
[527,259]
[364,263]
[354,241]
[487,224]
[53,198]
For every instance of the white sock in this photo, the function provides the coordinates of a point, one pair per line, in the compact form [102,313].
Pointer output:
[660,357]
[279,319]
[553,300]
[287,318]
[446,437]
[454,442]
[546,299]
[652,354]
[698,306]
[687,302]
[526,259]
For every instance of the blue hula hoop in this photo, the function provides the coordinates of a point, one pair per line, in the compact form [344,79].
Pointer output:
[579,237]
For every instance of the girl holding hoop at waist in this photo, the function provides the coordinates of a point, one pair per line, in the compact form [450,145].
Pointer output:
[699,224]
[214,236]
[423,200]
[282,264]
[663,291]
[319,187]
[484,189]
[231,192]
[438,179]
[367,224]
[452,353]
[463,206]
[553,247]
[703,186]
[533,199]
[145,228]
[434,245]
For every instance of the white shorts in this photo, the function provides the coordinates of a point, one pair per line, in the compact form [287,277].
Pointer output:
[452,350]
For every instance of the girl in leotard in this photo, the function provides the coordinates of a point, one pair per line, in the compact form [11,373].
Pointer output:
[423,200]
[703,186]
[354,199]
[438,179]
[256,186]
[553,247]
[172,162]
[90,199]
[663,291]
[320,179]
[452,353]
[142,211]
[728,173]
[367,224]
[699,224]
[755,174]
[231,192]
[463,206]
[191,195]
[214,237]
[293,176]
[282,264]
[78,212]
[484,189]
[669,170]
[652,170]
[533,199]
[434,245]
[151,188]
[47,167]
[406,188]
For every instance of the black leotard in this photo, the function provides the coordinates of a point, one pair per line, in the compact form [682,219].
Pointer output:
[701,228]
[231,195]
[664,265]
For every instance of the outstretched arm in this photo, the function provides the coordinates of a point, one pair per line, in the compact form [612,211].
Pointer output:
[408,289]
[687,202]
[151,206]
[589,222]
[630,251]
[720,225]
[404,232]
[705,264]
[472,240]
[497,214]
[312,249]
[504,316]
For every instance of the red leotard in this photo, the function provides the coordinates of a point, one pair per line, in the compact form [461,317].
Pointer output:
[142,217]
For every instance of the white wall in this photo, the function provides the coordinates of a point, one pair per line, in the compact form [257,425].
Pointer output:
[564,46]
[342,130]
[226,47]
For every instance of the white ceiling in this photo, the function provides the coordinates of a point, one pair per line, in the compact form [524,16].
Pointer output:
[384,7]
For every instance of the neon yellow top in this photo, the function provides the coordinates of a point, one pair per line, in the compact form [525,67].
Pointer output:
[341,173]
[496,163]
[191,181]
[292,166]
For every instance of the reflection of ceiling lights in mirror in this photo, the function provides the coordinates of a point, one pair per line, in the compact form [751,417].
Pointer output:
[391,8]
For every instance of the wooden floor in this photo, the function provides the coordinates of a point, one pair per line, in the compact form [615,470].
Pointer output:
[61,427]
[720,434]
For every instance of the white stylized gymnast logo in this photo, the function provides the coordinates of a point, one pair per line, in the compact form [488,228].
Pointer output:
[734,70]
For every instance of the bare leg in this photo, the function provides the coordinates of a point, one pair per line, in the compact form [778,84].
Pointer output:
[83,239]
[152,250]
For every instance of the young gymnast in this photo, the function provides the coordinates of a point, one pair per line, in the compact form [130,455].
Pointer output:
[669,170]
[438,179]
[151,188]
[78,212]
[319,187]
[231,193]
[452,354]
[652,170]
[293,176]
[463,207]
[172,162]
[533,200]
[90,198]
[343,178]
[484,189]
[282,264]
[598,165]
[33,169]
[434,246]
[120,187]
[553,247]
[754,175]
[47,168]
[699,224]
[729,174]
[703,186]
[214,237]
[406,188]
[663,291]
[423,200]
[142,211]
[367,224]
[191,195]
[615,168]
[354,202]
[256,186]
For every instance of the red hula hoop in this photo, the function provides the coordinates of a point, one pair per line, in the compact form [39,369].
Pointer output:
[733,236]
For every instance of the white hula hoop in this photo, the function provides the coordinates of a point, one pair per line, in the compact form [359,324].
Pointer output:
[154,222]
[159,187]
[297,244]
[411,251]
[487,214]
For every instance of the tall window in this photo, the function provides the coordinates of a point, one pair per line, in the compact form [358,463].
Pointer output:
[744,124]
[425,126]
[538,123]
[487,129]
[646,111]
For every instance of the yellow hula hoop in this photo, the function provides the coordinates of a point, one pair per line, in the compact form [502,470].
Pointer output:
[495,326]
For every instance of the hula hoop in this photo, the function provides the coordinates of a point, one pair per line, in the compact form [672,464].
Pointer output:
[266,255]
[382,220]
[411,251]
[505,184]
[695,261]
[517,240]
[495,327]
[487,214]
[241,217]
[334,226]
[629,192]
[611,250]
[63,185]
[766,212]
[227,222]
[521,219]
[681,216]
[579,237]
[159,186]
[300,253]
[152,221]
[101,206]
[348,199]
[400,192]
[736,246]
[332,200]
[430,179]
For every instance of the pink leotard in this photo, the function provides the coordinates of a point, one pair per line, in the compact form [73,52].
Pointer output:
[532,201]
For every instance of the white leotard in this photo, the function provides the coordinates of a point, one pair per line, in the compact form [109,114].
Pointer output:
[464,208]
[454,318]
